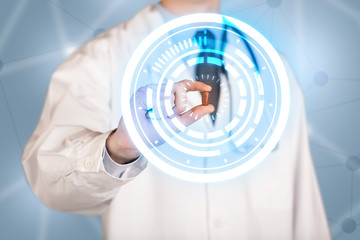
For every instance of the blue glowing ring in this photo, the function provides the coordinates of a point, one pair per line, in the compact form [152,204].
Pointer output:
[276,85]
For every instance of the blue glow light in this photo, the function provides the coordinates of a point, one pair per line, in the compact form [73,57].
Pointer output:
[259,100]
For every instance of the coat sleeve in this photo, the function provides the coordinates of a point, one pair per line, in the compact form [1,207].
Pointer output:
[63,159]
[309,218]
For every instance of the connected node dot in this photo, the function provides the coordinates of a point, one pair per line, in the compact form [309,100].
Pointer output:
[353,163]
[348,225]
[274,3]
[1,65]
[98,31]
[321,78]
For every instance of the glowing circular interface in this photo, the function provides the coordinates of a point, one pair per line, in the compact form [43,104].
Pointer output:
[253,104]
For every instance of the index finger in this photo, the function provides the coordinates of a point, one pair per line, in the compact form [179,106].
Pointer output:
[192,85]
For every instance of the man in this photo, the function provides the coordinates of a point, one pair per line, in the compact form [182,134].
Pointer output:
[80,158]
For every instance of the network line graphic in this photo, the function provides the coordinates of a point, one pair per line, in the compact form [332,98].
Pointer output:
[299,29]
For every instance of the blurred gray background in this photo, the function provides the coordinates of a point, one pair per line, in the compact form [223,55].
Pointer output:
[321,39]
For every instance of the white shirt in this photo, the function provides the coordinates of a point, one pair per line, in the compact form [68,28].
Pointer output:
[63,161]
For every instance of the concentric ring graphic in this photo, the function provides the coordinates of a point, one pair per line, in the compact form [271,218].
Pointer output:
[255,98]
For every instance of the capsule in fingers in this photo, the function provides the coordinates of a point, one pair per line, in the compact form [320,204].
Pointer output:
[205,98]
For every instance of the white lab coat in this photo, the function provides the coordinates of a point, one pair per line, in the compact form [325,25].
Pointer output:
[63,161]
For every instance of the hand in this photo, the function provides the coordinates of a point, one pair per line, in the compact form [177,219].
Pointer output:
[119,144]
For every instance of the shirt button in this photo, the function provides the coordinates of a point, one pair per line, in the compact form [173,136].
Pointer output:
[218,223]
[88,164]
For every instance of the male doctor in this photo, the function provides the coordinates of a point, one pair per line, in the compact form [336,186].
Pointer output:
[81,160]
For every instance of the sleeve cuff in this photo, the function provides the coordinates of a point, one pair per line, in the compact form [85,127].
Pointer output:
[123,171]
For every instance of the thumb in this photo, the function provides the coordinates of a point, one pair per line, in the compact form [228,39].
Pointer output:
[195,114]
